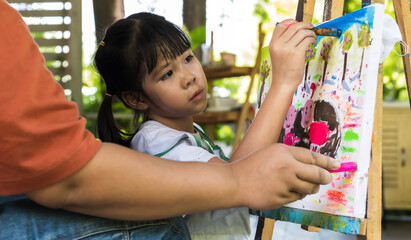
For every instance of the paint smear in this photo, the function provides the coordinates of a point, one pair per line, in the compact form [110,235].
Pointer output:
[316,76]
[361,92]
[290,139]
[319,133]
[350,135]
[336,196]
[353,125]
[348,149]
[355,77]
[347,181]
[314,201]
[313,87]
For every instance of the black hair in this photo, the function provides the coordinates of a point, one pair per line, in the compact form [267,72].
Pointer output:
[129,51]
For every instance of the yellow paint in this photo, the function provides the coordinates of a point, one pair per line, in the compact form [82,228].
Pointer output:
[347,180]
[314,200]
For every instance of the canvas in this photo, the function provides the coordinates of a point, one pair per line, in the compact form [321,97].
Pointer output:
[332,110]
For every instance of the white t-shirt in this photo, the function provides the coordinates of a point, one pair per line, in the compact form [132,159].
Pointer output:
[155,138]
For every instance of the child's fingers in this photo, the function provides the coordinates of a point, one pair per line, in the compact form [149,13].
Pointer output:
[304,45]
[293,30]
[302,37]
[282,27]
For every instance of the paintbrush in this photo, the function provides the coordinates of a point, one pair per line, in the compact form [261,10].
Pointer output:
[331,32]
[322,31]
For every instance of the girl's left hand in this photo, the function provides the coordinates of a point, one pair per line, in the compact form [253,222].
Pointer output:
[288,46]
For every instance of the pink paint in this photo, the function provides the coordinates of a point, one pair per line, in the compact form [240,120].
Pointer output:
[290,139]
[319,133]
[289,119]
[345,167]
[351,125]
[287,25]
[307,114]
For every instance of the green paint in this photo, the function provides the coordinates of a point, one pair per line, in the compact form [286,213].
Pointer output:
[297,105]
[340,226]
[316,76]
[348,149]
[350,135]
[360,92]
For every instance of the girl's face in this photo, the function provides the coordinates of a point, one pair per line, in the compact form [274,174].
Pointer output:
[176,88]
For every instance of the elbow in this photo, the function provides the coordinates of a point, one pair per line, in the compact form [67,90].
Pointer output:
[55,196]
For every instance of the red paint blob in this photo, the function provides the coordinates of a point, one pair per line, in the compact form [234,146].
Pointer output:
[319,133]
[336,196]
[313,87]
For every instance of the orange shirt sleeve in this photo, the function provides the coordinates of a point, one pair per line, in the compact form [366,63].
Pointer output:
[43,139]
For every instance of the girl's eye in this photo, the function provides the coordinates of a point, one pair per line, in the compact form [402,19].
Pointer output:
[167,75]
[189,58]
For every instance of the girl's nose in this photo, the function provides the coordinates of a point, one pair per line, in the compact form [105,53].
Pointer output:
[189,79]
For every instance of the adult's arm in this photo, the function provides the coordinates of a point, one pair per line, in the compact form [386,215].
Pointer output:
[47,154]
[122,183]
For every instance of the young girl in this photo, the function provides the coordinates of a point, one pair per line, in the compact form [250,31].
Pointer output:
[148,64]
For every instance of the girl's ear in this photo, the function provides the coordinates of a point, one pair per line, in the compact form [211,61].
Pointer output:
[132,99]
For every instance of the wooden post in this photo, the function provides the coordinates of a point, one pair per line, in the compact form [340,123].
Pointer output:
[106,12]
[75,56]
[194,15]
[402,10]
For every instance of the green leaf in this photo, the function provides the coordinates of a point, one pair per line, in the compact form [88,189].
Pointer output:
[198,36]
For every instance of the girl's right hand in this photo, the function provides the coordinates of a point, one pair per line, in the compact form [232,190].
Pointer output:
[288,46]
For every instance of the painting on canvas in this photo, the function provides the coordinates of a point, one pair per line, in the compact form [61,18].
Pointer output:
[332,110]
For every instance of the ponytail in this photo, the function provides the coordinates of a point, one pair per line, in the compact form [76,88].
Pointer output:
[106,126]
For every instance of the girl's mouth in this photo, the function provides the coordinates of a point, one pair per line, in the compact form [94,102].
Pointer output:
[197,95]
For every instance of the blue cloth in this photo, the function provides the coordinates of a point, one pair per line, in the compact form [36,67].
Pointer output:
[21,218]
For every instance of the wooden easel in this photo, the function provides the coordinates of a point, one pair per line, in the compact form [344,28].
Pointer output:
[371,227]
[402,10]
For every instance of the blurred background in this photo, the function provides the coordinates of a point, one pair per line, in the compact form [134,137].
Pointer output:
[68,33]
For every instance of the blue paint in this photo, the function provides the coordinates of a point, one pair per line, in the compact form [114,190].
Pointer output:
[345,86]
[329,82]
[342,224]
[355,77]
[357,18]
[307,88]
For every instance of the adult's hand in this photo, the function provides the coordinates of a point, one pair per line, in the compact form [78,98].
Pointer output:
[280,174]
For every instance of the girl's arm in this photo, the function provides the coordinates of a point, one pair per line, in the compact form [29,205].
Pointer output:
[287,51]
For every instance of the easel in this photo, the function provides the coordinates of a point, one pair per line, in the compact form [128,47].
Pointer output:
[402,10]
[371,226]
